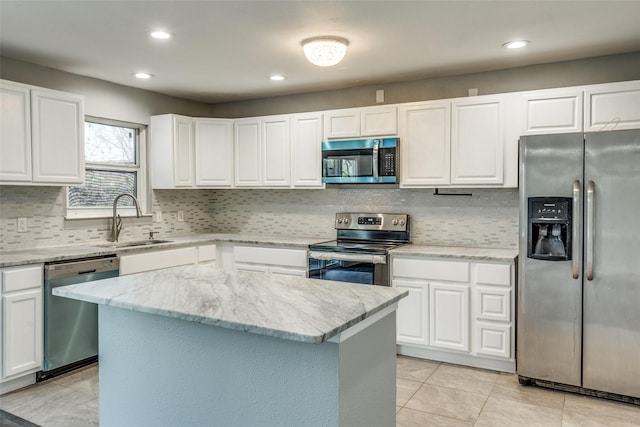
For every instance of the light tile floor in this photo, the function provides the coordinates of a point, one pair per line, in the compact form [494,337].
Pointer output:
[428,394]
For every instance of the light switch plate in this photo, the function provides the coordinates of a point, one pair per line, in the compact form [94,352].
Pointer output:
[22,225]
[180,216]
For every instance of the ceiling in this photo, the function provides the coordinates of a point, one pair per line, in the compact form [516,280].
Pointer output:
[225,50]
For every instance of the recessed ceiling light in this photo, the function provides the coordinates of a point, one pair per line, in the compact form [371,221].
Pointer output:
[277,77]
[162,35]
[516,44]
[143,75]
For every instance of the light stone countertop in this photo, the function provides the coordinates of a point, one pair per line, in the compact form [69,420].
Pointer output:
[480,254]
[93,249]
[287,307]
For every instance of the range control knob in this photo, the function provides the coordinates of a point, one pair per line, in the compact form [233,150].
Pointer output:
[401,222]
[395,221]
[345,220]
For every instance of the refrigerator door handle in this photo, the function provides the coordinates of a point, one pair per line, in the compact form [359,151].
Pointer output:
[575,270]
[591,190]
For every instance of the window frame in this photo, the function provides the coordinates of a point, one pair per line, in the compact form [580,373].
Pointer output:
[142,184]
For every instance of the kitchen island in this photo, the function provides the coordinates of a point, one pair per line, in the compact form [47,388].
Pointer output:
[198,346]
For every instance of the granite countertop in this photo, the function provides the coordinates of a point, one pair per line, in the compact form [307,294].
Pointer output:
[288,307]
[93,249]
[480,254]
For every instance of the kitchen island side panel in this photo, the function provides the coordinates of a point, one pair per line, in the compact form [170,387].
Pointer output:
[156,370]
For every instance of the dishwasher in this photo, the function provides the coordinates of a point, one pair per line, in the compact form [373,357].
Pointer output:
[71,326]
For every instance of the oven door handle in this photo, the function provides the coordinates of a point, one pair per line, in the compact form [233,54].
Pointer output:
[340,256]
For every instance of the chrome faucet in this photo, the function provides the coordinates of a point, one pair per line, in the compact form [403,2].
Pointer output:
[116,227]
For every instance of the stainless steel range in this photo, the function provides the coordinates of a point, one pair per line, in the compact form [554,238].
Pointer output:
[361,250]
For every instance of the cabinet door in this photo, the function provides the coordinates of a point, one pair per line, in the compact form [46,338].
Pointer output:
[214,152]
[306,150]
[276,152]
[378,121]
[426,144]
[412,321]
[449,316]
[183,173]
[612,106]
[547,112]
[247,153]
[15,132]
[22,332]
[477,141]
[57,137]
[342,123]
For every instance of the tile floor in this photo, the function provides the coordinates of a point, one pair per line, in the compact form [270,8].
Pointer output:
[428,394]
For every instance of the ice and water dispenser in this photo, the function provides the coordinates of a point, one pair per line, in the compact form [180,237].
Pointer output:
[549,228]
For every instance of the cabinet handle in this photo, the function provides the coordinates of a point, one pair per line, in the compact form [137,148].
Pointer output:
[374,160]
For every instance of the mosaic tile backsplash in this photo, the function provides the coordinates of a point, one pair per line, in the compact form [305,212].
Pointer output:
[488,218]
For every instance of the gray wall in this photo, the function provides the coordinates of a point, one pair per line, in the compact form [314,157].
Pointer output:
[602,69]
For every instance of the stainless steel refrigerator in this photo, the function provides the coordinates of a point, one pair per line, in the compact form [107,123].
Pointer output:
[578,323]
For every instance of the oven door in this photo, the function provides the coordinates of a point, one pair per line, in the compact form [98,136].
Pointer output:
[366,269]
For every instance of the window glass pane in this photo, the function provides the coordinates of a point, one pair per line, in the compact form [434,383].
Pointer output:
[112,144]
[102,187]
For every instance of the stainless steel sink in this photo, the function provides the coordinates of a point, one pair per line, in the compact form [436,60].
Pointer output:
[135,243]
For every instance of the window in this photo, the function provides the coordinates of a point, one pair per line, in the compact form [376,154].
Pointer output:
[114,164]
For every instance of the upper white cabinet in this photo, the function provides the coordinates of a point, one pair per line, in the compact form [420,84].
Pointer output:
[477,142]
[306,150]
[358,122]
[459,142]
[612,106]
[552,111]
[425,138]
[262,152]
[187,152]
[213,152]
[42,140]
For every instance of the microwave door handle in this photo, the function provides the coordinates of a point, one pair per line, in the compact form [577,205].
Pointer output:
[375,159]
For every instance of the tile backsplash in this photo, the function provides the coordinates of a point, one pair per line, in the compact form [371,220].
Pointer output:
[489,218]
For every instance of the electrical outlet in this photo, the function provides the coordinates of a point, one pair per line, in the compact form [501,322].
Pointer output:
[380,96]
[157,216]
[22,225]
[180,216]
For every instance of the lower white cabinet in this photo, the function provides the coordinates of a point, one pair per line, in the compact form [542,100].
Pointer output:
[458,311]
[22,327]
[272,260]
[147,261]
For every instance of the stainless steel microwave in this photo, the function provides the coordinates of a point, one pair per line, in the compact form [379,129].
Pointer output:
[360,161]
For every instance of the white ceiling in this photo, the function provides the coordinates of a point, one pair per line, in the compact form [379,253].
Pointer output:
[225,50]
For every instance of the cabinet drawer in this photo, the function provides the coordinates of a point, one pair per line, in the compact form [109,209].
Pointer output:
[21,278]
[493,340]
[137,263]
[206,253]
[454,271]
[494,274]
[271,256]
[493,304]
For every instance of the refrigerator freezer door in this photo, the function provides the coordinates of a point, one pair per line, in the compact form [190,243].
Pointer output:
[549,297]
[612,299]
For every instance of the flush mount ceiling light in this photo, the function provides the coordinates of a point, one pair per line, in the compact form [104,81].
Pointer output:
[143,75]
[325,51]
[516,44]
[277,78]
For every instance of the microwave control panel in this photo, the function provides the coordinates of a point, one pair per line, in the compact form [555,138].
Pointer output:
[388,167]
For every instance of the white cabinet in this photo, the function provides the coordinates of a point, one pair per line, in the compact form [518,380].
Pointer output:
[425,137]
[262,152]
[22,324]
[306,150]
[459,142]
[477,140]
[552,111]
[213,152]
[155,260]
[612,106]
[357,122]
[187,152]
[15,136]
[457,310]
[42,136]
[273,260]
